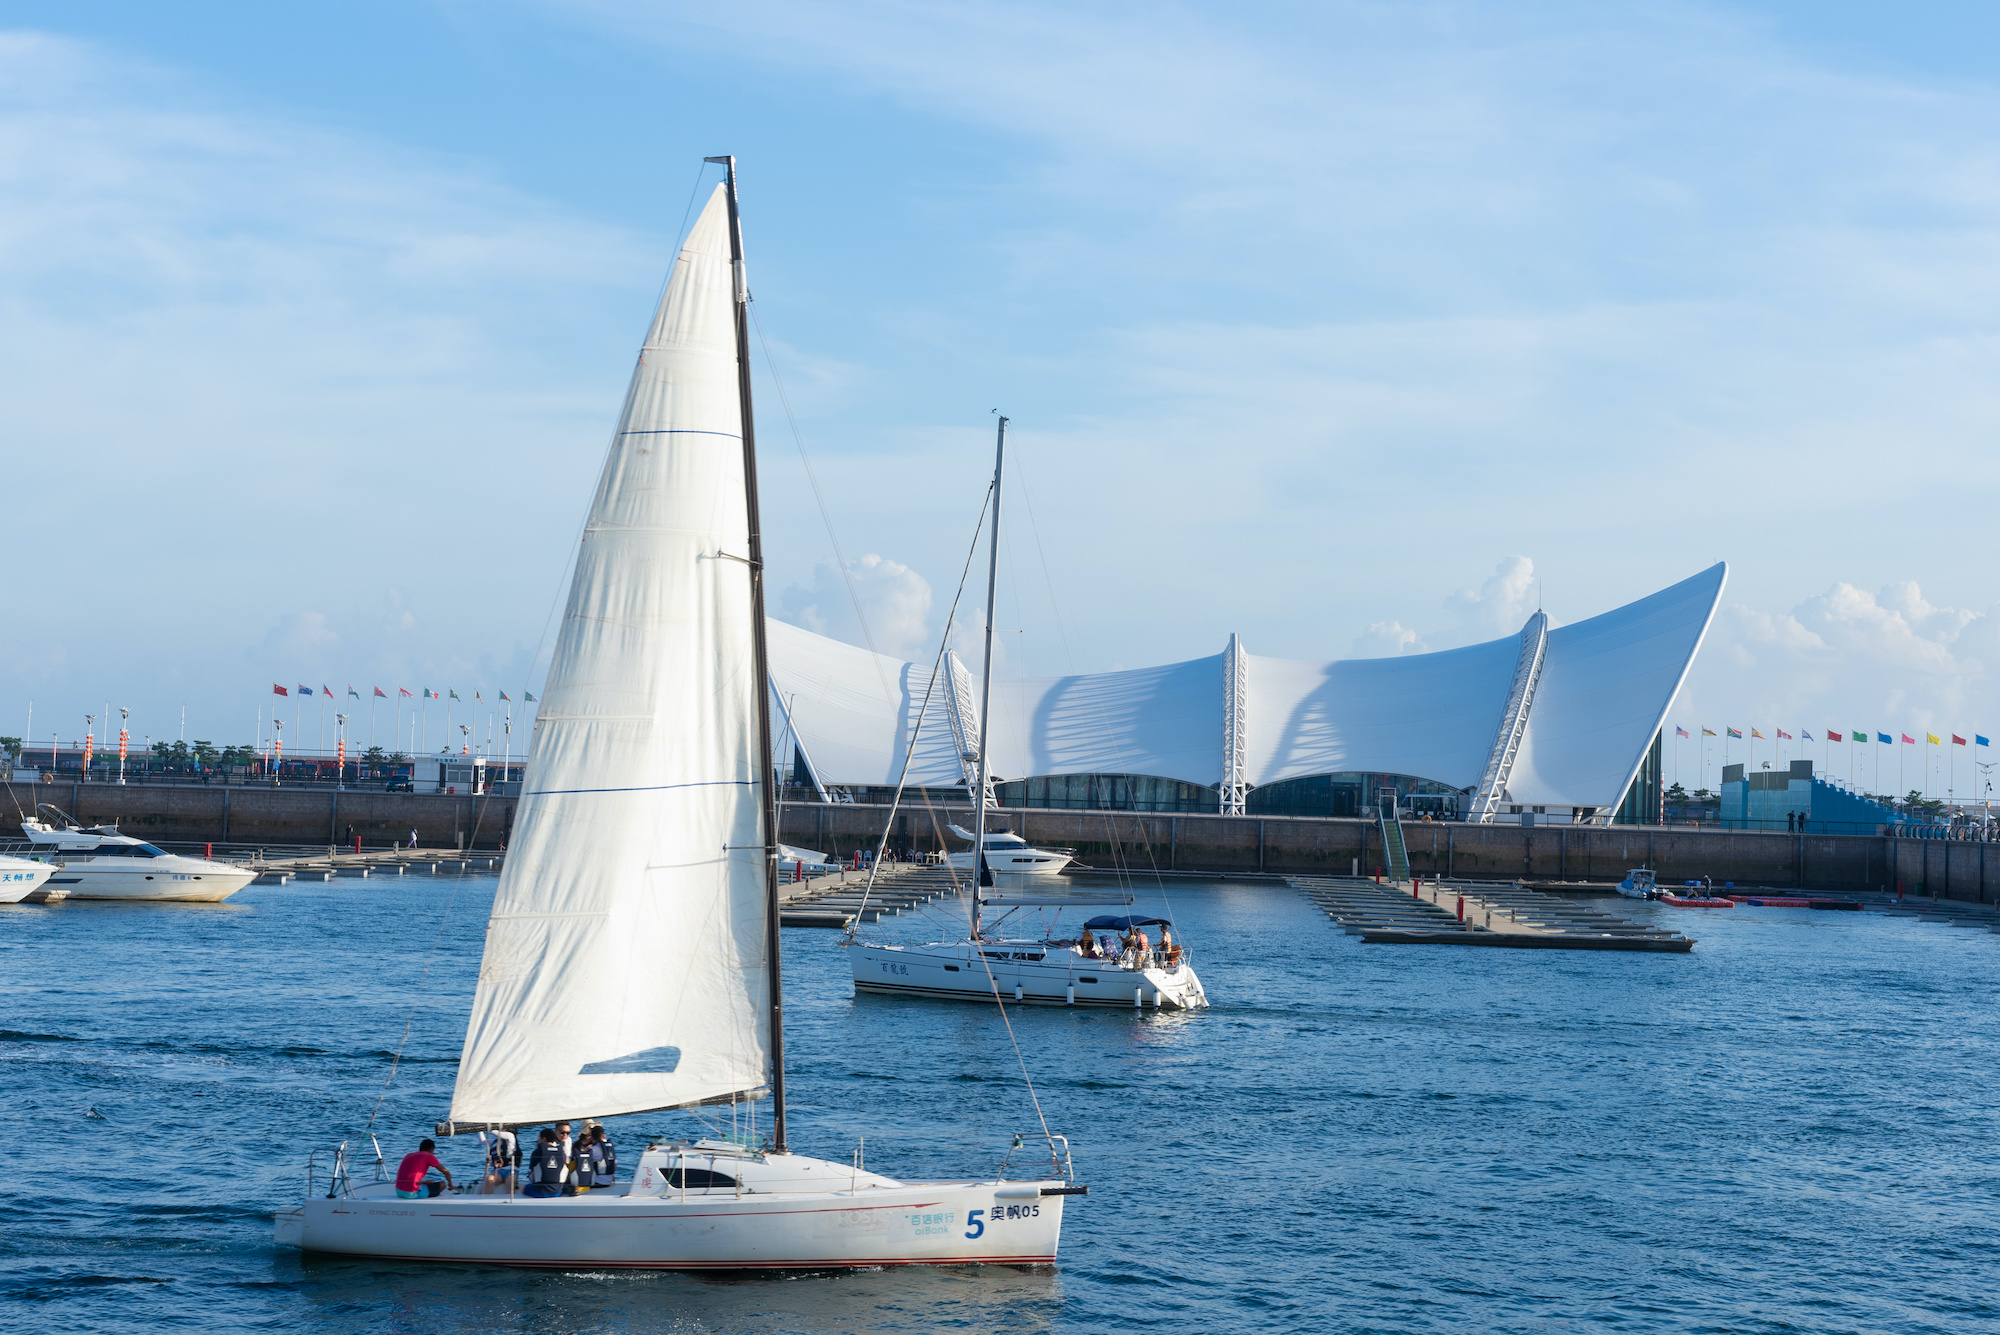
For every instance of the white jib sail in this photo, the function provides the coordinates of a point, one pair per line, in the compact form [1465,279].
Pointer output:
[625,961]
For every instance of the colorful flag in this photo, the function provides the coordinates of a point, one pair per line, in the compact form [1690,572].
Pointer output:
[1977,740]
[1832,736]
[1933,739]
[1957,740]
[353,694]
[404,693]
[278,690]
[503,696]
[1758,735]
[430,694]
[1708,732]
[453,694]
[1805,734]
[1861,735]
[1678,732]
[480,698]
[1909,740]
[1885,738]
[1732,732]
[529,696]
[325,689]
[1782,733]
[305,690]
[382,694]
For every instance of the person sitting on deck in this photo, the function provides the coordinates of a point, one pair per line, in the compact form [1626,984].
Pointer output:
[503,1155]
[604,1158]
[546,1166]
[1085,946]
[410,1173]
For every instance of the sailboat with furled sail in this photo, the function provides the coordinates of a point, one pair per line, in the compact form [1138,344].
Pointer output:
[632,955]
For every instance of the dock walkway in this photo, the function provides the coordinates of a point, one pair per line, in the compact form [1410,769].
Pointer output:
[1476,913]
[835,900]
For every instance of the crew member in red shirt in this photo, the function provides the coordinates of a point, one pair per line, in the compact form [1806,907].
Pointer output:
[410,1173]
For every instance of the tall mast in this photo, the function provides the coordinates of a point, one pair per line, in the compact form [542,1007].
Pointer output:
[982,876]
[766,780]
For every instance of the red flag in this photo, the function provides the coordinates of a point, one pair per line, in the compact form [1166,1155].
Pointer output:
[1832,736]
[1957,740]
[405,694]
[1782,733]
[279,690]
[379,691]
[1909,739]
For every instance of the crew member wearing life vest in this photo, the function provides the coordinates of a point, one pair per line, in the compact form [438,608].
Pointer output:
[547,1166]
[604,1158]
[503,1157]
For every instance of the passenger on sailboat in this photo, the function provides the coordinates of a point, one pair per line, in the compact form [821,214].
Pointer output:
[503,1156]
[604,1158]
[411,1172]
[547,1166]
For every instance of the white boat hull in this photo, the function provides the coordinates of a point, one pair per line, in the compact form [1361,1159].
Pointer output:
[1025,972]
[21,878]
[147,880]
[956,1223]
[1013,867]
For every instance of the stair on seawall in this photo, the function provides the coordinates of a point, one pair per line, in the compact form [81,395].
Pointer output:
[836,900]
[1395,852]
[1497,913]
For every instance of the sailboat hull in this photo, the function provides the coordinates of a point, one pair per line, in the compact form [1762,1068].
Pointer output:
[958,1223]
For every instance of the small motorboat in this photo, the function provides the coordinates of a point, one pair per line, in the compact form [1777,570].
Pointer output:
[1007,855]
[1639,884]
[97,862]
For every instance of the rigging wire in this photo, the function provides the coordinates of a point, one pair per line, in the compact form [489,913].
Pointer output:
[819,498]
[411,1018]
[910,749]
[1034,526]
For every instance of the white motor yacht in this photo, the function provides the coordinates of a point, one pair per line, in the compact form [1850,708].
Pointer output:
[1008,854]
[22,877]
[99,863]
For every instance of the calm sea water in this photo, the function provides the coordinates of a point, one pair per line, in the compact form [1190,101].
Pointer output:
[1791,1129]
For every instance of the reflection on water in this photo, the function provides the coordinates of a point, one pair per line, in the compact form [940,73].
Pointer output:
[1788,1129]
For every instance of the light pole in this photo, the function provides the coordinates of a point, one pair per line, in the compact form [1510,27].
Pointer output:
[124,733]
[278,747]
[340,755]
[89,722]
[465,742]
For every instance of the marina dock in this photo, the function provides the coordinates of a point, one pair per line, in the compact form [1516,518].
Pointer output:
[835,900]
[1476,913]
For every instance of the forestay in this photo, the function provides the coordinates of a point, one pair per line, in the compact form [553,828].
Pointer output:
[625,962]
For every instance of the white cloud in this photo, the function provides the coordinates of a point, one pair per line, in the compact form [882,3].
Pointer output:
[1385,639]
[1500,606]
[894,606]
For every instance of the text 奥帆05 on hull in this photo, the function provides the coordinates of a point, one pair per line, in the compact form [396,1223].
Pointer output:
[632,955]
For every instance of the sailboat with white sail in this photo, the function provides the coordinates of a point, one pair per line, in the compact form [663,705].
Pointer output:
[632,955]
[1042,969]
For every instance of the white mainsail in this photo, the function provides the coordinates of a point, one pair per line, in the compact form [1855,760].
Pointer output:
[625,964]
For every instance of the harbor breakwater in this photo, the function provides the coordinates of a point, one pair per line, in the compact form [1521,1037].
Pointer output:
[1106,840]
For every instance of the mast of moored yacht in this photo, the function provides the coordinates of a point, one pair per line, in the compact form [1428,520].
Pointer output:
[766,778]
[980,874]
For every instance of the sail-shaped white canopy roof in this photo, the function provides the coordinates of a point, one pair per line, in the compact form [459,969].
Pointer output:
[1605,686]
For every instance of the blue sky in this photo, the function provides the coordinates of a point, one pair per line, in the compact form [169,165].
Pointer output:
[1348,327]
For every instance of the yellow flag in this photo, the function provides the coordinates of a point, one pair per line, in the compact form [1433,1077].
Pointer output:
[1932,738]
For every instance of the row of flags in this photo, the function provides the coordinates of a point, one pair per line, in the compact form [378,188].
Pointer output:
[401,693]
[1858,735]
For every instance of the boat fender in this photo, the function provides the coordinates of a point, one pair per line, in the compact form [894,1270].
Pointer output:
[1017,1192]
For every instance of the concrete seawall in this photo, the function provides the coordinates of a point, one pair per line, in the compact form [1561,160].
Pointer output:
[196,813]
[1326,847]
[1103,839]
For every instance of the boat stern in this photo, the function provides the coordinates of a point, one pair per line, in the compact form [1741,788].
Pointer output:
[289,1227]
